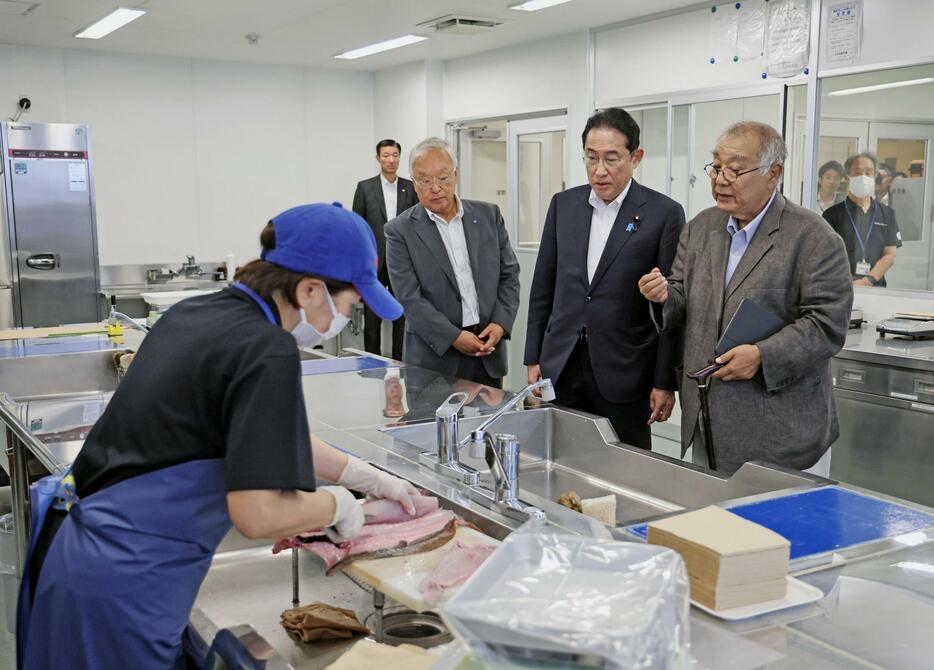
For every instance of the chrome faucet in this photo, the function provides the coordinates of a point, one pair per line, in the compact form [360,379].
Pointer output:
[478,436]
[502,457]
[445,461]
[190,268]
[116,316]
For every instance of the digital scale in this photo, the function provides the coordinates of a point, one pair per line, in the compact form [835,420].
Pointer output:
[912,325]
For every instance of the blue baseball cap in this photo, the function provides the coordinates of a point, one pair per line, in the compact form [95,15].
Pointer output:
[334,243]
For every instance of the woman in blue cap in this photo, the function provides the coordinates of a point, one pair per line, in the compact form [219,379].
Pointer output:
[207,430]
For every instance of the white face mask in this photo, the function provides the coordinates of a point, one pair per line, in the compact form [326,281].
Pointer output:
[307,335]
[862,185]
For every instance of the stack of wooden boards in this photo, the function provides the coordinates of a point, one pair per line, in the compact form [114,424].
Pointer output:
[731,562]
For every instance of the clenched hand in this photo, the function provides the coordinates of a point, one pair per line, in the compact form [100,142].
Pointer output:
[469,344]
[741,363]
[654,286]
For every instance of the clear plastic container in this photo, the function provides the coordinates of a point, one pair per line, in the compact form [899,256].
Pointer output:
[545,596]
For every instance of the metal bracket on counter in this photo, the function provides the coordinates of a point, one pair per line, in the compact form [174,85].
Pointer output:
[235,647]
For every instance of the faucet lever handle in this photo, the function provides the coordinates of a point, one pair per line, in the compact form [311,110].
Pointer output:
[452,405]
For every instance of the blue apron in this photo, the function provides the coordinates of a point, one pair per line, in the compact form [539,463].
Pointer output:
[123,571]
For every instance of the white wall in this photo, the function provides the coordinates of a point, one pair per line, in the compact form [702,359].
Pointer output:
[663,56]
[194,156]
[546,75]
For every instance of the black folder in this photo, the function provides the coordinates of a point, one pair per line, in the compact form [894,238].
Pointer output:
[750,324]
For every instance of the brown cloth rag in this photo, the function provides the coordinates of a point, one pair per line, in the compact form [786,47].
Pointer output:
[321,622]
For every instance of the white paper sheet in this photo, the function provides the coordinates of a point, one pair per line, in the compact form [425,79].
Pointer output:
[844,30]
[77,177]
[788,36]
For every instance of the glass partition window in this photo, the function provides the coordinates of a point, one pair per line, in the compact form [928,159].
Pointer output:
[482,153]
[696,129]
[889,114]
[653,138]
[540,165]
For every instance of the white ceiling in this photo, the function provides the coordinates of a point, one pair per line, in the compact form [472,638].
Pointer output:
[307,32]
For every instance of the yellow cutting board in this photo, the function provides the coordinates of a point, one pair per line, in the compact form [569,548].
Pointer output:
[36,333]
[399,576]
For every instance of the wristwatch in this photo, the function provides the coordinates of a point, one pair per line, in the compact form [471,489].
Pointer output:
[873,280]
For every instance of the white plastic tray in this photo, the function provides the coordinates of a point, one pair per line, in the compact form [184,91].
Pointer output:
[798,594]
[164,299]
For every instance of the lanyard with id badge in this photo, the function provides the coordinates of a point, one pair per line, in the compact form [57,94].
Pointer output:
[863,266]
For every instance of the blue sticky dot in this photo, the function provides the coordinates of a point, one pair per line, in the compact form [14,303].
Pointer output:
[713,60]
[738,5]
[806,70]
[764,75]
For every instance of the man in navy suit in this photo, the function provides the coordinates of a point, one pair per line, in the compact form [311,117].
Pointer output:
[380,199]
[589,328]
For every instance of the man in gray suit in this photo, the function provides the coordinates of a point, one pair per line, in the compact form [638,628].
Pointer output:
[454,272]
[772,400]
[378,200]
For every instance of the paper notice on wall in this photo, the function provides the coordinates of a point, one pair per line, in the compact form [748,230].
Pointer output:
[750,30]
[736,32]
[787,38]
[77,177]
[844,31]
[723,27]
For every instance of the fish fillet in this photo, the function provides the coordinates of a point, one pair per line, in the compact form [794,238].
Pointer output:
[379,540]
[453,570]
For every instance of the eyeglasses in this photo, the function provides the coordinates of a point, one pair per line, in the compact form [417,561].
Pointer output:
[428,182]
[609,162]
[729,174]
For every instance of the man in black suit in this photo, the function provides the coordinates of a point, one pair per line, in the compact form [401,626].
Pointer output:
[378,200]
[589,328]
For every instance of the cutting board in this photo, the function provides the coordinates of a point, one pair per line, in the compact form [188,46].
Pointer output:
[35,333]
[399,576]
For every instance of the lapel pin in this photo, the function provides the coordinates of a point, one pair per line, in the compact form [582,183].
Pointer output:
[633,225]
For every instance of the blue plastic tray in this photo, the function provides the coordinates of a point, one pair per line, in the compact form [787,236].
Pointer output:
[327,366]
[827,519]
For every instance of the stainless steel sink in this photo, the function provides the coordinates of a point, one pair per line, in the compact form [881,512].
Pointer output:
[34,377]
[564,450]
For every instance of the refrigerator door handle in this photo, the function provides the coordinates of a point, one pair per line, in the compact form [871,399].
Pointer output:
[43,261]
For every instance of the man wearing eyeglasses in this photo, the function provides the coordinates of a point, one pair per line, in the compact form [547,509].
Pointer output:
[589,328]
[772,400]
[455,273]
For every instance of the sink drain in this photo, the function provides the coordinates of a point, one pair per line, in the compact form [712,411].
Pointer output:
[423,630]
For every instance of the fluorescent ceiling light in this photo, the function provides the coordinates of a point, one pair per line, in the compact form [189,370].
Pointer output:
[385,45]
[881,87]
[116,19]
[535,5]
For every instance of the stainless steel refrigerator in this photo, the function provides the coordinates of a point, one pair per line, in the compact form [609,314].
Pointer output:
[49,272]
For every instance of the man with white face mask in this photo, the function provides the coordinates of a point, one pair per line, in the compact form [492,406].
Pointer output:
[867,226]
[207,430]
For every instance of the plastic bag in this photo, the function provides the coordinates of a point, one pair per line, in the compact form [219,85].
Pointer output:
[552,597]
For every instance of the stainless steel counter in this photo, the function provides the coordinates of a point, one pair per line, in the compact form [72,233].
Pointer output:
[349,411]
[884,391]
[381,416]
[864,344]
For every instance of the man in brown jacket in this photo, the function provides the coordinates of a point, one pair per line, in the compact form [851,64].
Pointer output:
[773,400]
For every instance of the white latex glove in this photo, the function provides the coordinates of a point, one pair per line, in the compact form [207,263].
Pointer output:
[363,477]
[348,514]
